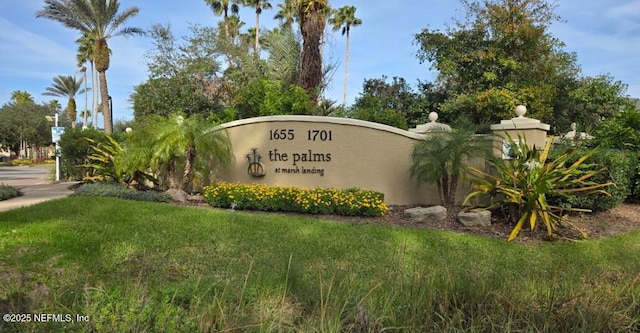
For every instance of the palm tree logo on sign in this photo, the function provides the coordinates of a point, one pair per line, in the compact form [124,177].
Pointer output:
[255,169]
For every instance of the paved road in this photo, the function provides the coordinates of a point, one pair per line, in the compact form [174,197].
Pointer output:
[34,183]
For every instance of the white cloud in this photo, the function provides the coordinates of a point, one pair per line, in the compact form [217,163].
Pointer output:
[18,44]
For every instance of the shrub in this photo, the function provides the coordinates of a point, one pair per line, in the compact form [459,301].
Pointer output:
[620,170]
[8,192]
[523,184]
[21,161]
[292,199]
[75,149]
[119,191]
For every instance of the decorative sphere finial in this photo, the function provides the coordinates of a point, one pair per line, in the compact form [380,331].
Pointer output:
[521,110]
[433,116]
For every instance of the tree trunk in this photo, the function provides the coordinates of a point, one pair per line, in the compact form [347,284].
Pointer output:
[94,113]
[104,97]
[86,100]
[255,47]
[312,27]
[187,176]
[346,71]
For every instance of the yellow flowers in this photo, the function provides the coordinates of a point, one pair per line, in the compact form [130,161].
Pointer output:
[318,200]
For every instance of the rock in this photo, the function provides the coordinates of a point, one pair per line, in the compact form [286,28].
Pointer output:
[475,218]
[177,195]
[429,214]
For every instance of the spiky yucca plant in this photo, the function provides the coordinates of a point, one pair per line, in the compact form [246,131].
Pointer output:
[522,184]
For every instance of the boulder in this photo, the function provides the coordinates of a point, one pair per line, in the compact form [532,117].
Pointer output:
[177,195]
[432,214]
[475,218]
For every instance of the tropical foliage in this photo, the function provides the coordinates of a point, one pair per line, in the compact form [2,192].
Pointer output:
[523,184]
[443,158]
[179,149]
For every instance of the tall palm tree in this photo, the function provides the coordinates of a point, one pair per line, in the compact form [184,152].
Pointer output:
[312,18]
[288,13]
[259,5]
[84,55]
[100,20]
[66,86]
[344,18]
[222,7]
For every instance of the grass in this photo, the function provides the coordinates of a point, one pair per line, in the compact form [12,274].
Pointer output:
[138,266]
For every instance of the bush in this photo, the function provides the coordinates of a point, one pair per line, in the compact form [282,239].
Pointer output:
[292,199]
[119,191]
[76,149]
[8,192]
[21,161]
[524,184]
[620,170]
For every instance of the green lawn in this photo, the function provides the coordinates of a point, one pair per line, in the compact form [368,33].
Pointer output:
[137,266]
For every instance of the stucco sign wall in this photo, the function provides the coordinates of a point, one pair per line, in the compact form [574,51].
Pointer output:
[310,151]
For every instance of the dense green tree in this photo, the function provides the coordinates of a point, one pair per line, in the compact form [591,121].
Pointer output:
[262,97]
[597,98]
[182,77]
[394,103]
[166,95]
[99,20]
[66,86]
[501,56]
[345,18]
[23,123]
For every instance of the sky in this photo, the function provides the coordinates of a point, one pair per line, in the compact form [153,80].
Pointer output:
[605,35]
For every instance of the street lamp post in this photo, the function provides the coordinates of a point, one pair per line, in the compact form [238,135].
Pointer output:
[111,111]
[57,152]
[55,137]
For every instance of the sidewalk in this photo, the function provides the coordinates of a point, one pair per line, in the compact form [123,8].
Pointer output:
[35,191]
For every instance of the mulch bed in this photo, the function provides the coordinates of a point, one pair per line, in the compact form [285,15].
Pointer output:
[617,221]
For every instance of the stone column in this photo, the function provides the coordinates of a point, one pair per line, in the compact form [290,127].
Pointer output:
[531,130]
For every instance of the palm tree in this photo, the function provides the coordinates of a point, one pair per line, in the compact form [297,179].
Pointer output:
[288,13]
[259,5]
[99,20]
[85,54]
[443,158]
[191,144]
[222,7]
[344,18]
[66,86]
[312,18]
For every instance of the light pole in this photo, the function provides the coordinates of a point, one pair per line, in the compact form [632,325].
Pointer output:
[57,151]
[111,111]
[55,136]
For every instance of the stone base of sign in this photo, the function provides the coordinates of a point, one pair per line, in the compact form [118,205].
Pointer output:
[475,218]
[432,214]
